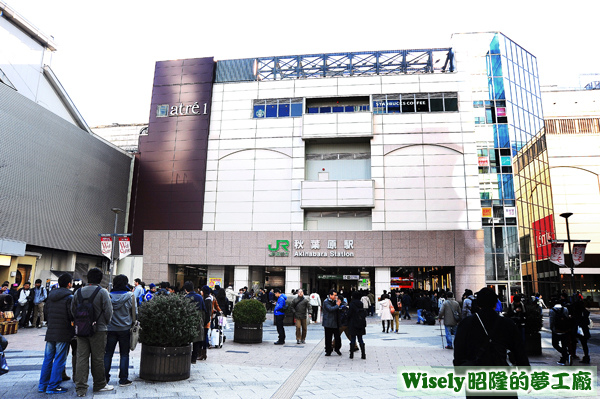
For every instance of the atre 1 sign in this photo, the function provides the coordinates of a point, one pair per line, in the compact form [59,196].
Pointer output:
[543,231]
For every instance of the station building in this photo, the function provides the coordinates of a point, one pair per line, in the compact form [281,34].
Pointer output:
[373,169]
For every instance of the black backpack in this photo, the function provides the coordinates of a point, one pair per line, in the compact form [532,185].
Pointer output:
[561,321]
[84,318]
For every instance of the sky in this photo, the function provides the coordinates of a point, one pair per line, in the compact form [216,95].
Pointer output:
[107,49]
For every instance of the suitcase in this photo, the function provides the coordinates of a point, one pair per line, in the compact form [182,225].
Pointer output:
[216,338]
[429,318]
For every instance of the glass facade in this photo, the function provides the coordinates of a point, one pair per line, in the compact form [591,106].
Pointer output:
[277,108]
[507,120]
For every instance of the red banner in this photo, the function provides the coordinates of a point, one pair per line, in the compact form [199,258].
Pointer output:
[124,247]
[543,232]
[106,246]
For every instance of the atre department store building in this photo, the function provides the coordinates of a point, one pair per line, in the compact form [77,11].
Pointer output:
[337,170]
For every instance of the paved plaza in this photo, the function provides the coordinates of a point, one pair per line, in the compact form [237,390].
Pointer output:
[265,370]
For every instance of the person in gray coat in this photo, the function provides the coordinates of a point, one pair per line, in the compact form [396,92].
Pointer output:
[449,311]
[331,323]
[124,310]
[95,345]
[300,306]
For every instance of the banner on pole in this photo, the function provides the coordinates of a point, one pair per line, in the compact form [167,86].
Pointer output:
[106,246]
[124,247]
[557,253]
[578,254]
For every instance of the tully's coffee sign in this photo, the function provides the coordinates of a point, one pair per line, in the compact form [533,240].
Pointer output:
[181,109]
[313,248]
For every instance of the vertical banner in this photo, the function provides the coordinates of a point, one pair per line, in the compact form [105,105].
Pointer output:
[578,254]
[106,246]
[124,247]
[557,254]
[543,233]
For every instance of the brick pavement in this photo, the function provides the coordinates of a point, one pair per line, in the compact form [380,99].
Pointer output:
[261,370]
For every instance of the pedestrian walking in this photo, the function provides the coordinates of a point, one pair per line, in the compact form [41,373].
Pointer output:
[386,308]
[58,335]
[331,323]
[124,305]
[300,306]
[560,324]
[95,318]
[357,324]
[279,315]
[450,313]
[468,299]
[581,318]
[483,338]
[406,302]
[397,303]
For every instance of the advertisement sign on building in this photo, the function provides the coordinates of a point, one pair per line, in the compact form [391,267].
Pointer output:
[215,281]
[486,212]
[543,232]
[483,161]
[510,212]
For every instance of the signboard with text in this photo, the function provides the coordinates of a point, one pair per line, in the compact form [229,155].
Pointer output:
[543,233]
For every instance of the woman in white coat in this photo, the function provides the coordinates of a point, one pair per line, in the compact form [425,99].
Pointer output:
[386,313]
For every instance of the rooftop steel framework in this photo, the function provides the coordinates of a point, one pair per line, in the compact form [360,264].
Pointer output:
[365,63]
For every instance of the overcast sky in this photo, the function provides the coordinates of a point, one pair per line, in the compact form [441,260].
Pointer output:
[107,49]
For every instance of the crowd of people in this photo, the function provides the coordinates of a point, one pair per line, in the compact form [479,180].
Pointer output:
[479,327]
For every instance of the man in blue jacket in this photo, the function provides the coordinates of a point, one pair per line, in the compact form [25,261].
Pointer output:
[279,315]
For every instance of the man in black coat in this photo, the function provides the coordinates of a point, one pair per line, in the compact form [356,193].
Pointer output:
[58,336]
[474,332]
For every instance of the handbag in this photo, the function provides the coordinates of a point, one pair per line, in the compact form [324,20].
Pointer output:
[392,309]
[579,331]
[3,364]
[134,335]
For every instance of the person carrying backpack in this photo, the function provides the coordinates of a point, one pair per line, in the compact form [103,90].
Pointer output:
[560,325]
[484,338]
[92,311]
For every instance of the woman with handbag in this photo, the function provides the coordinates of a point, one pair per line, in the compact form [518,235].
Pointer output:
[387,310]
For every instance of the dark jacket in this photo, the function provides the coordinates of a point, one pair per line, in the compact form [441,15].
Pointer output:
[505,335]
[406,301]
[221,298]
[355,326]
[330,314]
[201,307]
[300,306]
[103,309]
[58,315]
[396,302]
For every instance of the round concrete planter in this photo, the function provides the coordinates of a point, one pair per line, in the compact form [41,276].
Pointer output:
[165,364]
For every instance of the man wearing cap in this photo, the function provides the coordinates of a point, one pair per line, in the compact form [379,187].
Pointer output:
[150,293]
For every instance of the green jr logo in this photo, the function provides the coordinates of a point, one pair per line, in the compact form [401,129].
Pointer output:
[284,245]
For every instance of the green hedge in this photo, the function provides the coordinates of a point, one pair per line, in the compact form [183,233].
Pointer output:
[249,311]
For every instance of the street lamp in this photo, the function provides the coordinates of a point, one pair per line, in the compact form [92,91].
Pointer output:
[566,215]
[112,254]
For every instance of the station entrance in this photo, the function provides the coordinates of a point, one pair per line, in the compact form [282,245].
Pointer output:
[342,279]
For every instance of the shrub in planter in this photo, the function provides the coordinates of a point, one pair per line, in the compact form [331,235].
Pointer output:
[248,316]
[168,324]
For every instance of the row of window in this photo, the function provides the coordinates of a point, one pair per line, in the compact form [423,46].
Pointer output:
[416,102]
[382,104]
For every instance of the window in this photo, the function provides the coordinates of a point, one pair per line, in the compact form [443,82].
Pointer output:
[415,103]
[328,105]
[277,108]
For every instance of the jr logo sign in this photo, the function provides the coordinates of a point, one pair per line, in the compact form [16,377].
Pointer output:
[281,248]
